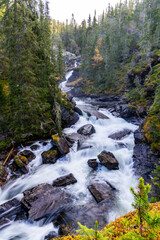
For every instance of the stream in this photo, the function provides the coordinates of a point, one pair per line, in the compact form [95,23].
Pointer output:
[75,162]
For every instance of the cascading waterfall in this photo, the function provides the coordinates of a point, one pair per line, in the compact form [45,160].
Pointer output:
[75,162]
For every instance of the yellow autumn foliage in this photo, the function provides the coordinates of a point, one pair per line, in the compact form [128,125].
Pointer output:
[125,224]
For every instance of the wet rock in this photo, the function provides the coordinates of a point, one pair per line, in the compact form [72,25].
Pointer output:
[3,175]
[86,130]
[78,110]
[64,181]
[120,135]
[108,160]
[85,214]
[126,111]
[61,144]
[35,147]
[28,154]
[21,163]
[45,201]
[144,159]
[92,112]
[75,137]
[138,136]
[101,191]
[93,163]
[9,211]
[50,236]
[50,156]
[68,118]
[80,139]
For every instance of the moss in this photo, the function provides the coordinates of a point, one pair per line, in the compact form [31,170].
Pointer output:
[4,144]
[55,138]
[20,160]
[125,225]
[50,153]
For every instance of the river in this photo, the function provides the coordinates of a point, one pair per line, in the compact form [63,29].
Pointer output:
[75,162]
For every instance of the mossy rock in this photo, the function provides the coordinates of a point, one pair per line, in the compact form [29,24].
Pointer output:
[3,175]
[19,158]
[50,156]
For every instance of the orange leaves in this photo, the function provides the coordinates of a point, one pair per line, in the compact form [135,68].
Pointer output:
[97,58]
[5,88]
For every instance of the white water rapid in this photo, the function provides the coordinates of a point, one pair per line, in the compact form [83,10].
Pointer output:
[75,162]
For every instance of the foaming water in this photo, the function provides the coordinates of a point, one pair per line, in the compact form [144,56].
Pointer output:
[75,162]
[26,231]
[62,85]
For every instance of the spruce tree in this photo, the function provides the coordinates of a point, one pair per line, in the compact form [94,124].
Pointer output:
[141,201]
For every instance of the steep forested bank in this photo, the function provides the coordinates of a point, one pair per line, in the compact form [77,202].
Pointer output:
[31,64]
[120,52]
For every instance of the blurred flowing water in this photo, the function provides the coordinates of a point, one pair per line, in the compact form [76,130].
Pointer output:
[75,162]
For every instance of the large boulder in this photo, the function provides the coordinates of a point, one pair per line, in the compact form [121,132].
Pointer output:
[86,130]
[28,154]
[108,160]
[10,211]
[3,175]
[68,117]
[101,191]
[92,111]
[121,134]
[50,156]
[44,201]
[93,163]
[126,111]
[64,180]
[61,143]
[85,214]
[78,110]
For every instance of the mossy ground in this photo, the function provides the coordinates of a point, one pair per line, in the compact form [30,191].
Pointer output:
[127,224]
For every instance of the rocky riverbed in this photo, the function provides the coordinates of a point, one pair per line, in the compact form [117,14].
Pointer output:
[84,176]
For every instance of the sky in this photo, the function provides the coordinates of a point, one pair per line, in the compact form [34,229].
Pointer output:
[63,9]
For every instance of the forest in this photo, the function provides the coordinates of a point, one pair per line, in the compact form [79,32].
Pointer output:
[120,52]
[119,58]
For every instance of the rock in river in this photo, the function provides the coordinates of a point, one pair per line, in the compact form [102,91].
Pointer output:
[64,181]
[108,160]
[61,143]
[44,201]
[101,191]
[120,135]
[50,156]
[93,163]
[9,211]
[86,130]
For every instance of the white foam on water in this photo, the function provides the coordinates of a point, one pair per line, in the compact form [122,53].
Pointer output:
[75,162]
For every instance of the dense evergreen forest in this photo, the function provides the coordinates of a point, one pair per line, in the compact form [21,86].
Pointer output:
[31,63]
[121,54]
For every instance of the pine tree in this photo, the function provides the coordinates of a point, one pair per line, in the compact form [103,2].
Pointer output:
[141,201]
